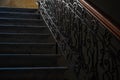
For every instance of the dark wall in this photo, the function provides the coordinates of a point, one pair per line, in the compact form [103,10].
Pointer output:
[109,7]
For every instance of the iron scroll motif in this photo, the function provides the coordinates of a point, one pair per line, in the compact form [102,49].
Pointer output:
[91,50]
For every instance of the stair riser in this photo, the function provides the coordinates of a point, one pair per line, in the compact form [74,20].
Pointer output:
[13,29]
[32,75]
[28,61]
[22,10]
[26,38]
[22,22]
[26,48]
[22,16]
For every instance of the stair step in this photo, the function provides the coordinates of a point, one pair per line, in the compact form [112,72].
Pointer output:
[22,10]
[27,49]
[36,48]
[25,37]
[33,68]
[31,55]
[8,60]
[18,21]
[23,29]
[33,73]
[20,15]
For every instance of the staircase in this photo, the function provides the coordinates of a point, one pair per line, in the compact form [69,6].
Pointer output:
[27,49]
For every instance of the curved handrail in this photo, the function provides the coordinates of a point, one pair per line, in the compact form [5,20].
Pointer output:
[108,24]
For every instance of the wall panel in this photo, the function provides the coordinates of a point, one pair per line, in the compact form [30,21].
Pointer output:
[18,3]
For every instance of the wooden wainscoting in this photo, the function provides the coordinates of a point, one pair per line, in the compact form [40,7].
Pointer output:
[19,3]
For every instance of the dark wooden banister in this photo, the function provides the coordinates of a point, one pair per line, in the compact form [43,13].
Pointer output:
[108,24]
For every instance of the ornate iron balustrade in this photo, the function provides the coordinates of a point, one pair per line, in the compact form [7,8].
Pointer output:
[92,51]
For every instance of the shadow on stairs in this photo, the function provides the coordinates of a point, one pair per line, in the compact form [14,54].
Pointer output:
[27,48]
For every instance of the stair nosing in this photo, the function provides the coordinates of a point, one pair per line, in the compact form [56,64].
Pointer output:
[20,13]
[21,19]
[34,68]
[30,55]
[25,34]
[27,43]
[18,8]
[23,26]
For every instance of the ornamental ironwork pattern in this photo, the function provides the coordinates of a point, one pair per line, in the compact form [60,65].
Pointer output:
[91,50]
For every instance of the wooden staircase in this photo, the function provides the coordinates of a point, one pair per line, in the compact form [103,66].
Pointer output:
[27,48]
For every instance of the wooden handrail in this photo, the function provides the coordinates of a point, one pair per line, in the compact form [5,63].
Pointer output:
[100,17]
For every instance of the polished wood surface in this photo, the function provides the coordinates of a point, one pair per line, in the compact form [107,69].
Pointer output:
[19,3]
[4,2]
[108,24]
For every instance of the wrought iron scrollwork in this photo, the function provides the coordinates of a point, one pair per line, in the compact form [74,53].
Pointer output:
[91,50]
